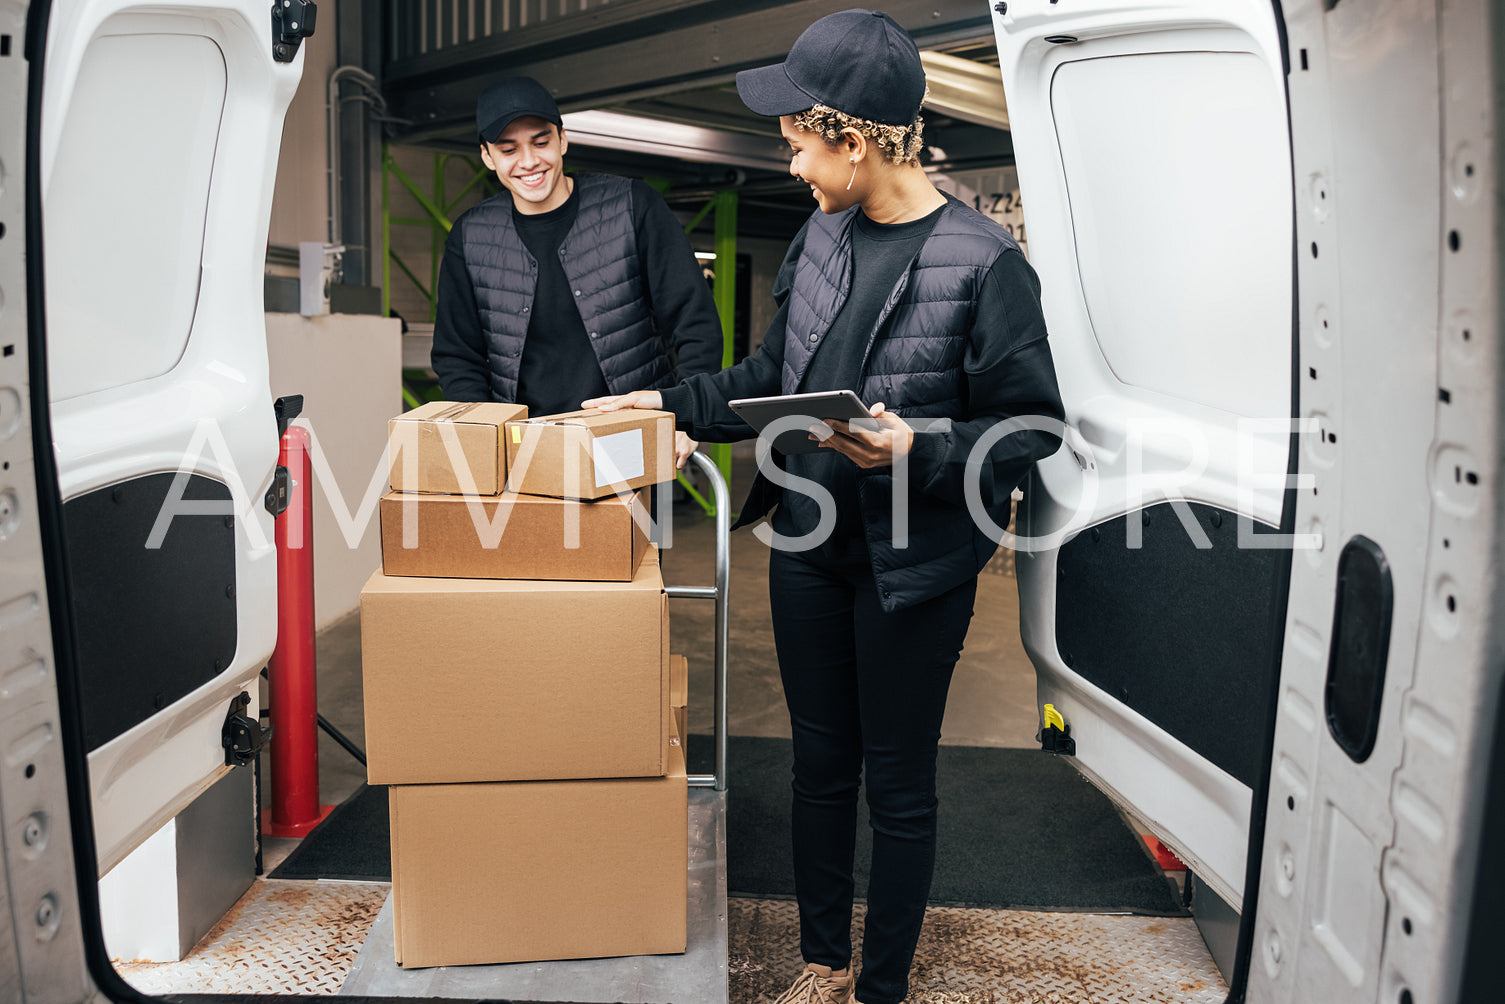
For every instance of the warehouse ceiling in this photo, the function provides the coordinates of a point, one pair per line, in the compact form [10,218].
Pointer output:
[647,86]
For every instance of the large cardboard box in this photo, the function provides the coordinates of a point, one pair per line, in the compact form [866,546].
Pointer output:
[679,693]
[512,536]
[450,447]
[589,454]
[535,870]
[506,679]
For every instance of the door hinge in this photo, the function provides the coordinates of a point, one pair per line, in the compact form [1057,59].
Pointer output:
[292,22]
[243,737]
[1055,734]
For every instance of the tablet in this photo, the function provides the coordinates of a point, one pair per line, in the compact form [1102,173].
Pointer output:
[760,412]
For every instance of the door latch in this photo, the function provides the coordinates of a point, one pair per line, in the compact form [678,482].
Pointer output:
[292,22]
[243,737]
[1055,734]
[277,494]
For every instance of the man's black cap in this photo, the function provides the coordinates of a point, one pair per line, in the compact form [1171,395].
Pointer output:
[855,61]
[512,98]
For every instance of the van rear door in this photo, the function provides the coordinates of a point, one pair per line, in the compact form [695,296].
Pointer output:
[160,133]
[1154,159]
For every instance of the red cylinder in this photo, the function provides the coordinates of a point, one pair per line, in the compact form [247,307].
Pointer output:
[292,691]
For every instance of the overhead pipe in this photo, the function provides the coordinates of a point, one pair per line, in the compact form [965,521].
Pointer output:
[332,103]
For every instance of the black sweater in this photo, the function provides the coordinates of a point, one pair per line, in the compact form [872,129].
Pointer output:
[559,368]
[1008,371]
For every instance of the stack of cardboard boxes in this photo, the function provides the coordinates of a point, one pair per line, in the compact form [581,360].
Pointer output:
[521,701]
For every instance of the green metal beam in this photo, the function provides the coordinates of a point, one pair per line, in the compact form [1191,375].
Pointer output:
[423,200]
[392,255]
[725,294]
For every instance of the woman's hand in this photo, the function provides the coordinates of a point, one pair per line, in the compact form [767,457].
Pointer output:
[651,400]
[869,447]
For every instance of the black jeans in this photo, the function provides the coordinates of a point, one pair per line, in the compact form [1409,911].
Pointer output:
[867,687]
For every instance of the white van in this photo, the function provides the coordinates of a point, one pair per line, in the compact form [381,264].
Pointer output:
[1269,240]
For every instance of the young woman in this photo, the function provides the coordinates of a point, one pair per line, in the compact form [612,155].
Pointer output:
[927,310]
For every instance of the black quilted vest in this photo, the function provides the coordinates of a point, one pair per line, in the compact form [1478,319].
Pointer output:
[913,363]
[599,256]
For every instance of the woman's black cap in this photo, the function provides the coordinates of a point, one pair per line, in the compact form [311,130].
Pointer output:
[856,61]
[511,98]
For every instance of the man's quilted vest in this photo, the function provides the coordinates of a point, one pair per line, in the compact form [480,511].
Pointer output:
[600,258]
[913,363]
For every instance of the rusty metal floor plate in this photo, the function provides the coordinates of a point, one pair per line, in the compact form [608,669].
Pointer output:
[288,937]
[998,957]
[280,938]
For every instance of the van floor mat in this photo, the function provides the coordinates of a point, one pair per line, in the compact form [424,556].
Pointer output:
[280,938]
[352,843]
[969,956]
[1018,829]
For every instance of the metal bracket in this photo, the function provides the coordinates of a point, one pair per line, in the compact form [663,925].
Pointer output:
[278,493]
[243,737]
[287,409]
[1053,740]
[292,22]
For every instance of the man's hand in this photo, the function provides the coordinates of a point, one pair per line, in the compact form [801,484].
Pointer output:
[866,445]
[683,447]
[649,399]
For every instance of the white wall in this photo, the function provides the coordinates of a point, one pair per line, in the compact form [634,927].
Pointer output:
[348,369]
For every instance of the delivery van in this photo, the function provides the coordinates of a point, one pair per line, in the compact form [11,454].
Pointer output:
[1260,583]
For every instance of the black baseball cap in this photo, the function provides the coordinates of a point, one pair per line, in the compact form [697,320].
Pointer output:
[856,61]
[511,98]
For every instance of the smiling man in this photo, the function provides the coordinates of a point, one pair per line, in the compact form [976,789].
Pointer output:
[565,287]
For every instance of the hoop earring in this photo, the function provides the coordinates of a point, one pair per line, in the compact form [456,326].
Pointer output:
[853,177]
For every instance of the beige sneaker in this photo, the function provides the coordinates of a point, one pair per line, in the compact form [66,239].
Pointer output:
[816,985]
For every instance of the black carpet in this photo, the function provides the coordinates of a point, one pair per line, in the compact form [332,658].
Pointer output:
[352,843]
[1019,829]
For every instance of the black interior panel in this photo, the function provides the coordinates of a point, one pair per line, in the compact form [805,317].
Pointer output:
[1186,637]
[152,624]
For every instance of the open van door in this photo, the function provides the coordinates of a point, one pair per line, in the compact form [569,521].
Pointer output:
[160,128]
[1153,152]
[1327,713]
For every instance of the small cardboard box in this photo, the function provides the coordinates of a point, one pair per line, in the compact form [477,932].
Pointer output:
[512,536]
[535,870]
[679,693]
[589,454]
[508,679]
[450,447]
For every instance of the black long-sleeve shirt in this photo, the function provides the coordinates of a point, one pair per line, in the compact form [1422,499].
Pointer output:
[559,368]
[1007,371]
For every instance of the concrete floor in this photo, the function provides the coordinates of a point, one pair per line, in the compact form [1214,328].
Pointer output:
[992,700]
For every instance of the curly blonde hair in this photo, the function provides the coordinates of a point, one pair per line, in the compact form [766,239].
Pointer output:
[899,143]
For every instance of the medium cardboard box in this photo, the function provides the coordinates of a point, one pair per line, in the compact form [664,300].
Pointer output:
[534,870]
[450,447]
[510,679]
[512,536]
[679,693]
[589,454]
